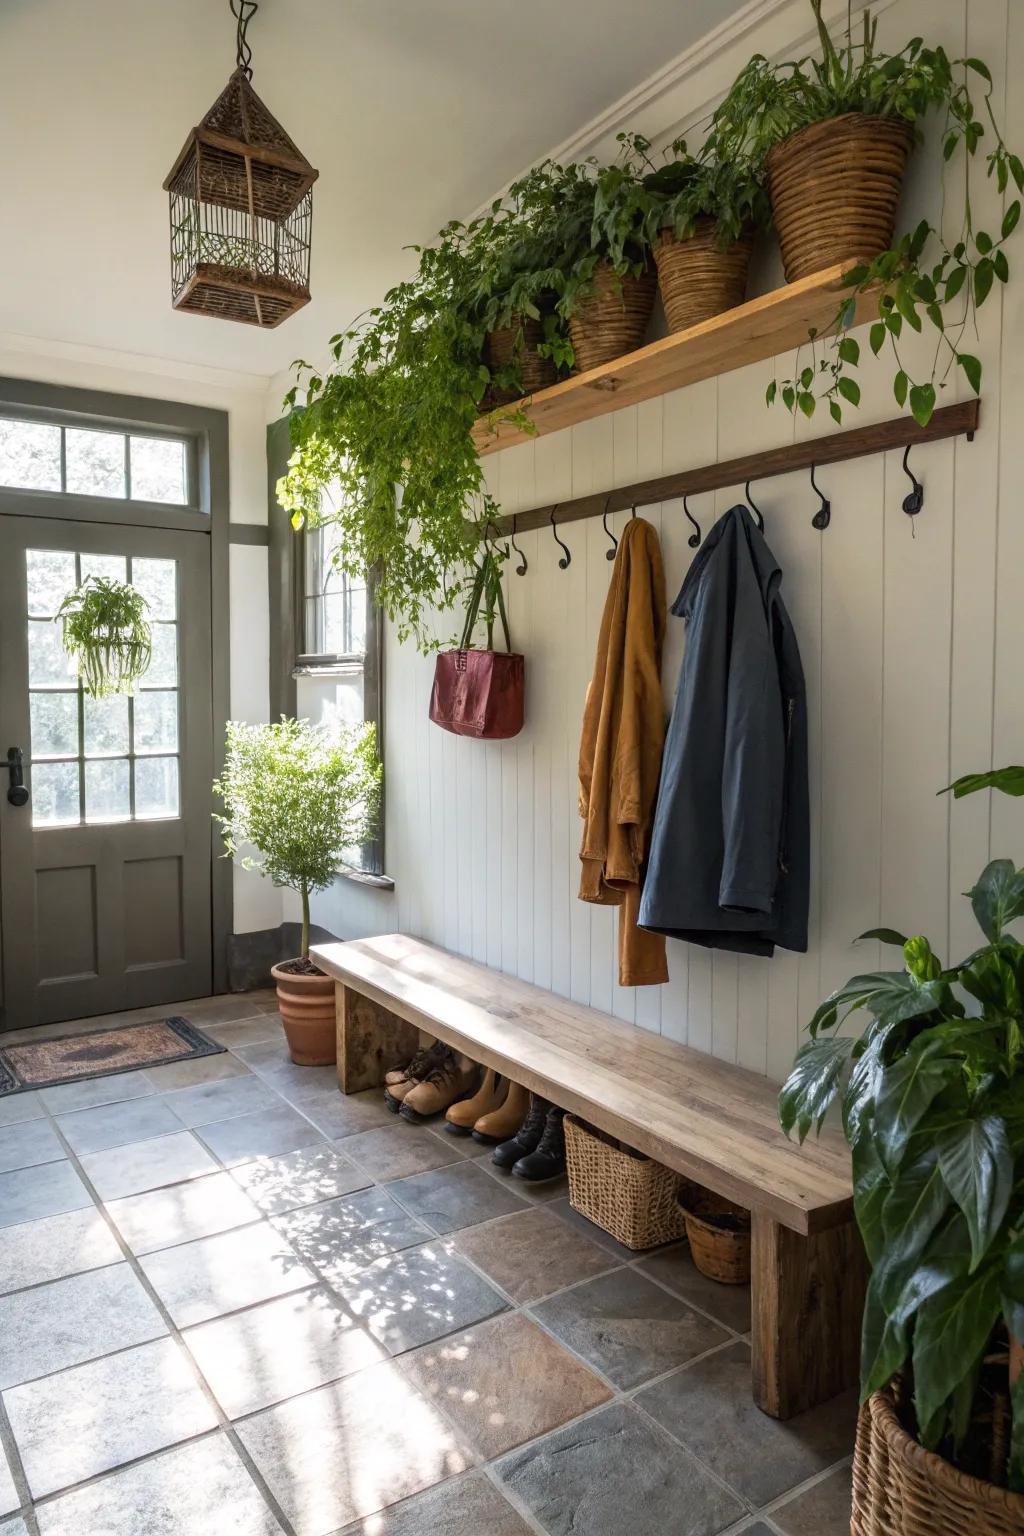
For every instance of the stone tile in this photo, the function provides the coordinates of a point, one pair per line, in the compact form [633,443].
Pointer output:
[822,1510]
[398,1150]
[146,1165]
[197,1069]
[219,1274]
[13,1528]
[16,1107]
[117,1086]
[114,1125]
[339,1454]
[266,1133]
[67,1321]
[504,1382]
[617,1472]
[627,1327]
[207,1102]
[184,1492]
[30,1193]
[465,1146]
[531,1254]
[470,1506]
[760,1529]
[261,1356]
[341,1237]
[266,1055]
[93,1417]
[296,1083]
[182,1213]
[263,1028]
[728,1304]
[450,1198]
[340,1115]
[709,1408]
[545,1193]
[28,1144]
[55,1246]
[564,1211]
[9,1498]
[417,1296]
[225,1009]
[305,1177]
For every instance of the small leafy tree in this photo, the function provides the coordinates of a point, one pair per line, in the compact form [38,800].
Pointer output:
[301,796]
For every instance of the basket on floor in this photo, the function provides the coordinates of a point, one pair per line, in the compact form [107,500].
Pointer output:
[719,1235]
[516,345]
[613,317]
[631,1197]
[698,278]
[900,1489]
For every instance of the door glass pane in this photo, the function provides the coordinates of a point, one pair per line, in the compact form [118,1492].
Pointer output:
[95,462]
[155,580]
[51,576]
[54,794]
[156,787]
[113,567]
[29,455]
[106,726]
[163,669]
[48,663]
[156,722]
[106,790]
[54,721]
[158,470]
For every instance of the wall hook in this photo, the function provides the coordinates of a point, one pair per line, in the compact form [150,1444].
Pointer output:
[823,516]
[611,553]
[521,567]
[695,537]
[914,499]
[758,514]
[564,562]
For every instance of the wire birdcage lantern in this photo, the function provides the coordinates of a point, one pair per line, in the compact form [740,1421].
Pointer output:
[241,201]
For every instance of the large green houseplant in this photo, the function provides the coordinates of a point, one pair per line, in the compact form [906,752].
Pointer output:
[932,1097]
[297,800]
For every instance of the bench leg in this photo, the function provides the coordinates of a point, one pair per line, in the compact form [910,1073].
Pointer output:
[808,1300]
[370,1040]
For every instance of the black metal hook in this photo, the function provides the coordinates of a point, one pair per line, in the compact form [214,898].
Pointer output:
[632,513]
[914,499]
[564,562]
[611,553]
[751,503]
[695,537]
[521,567]
[823,516]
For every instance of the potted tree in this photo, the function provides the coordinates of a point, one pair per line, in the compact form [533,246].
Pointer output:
[302,798]
[932,1097]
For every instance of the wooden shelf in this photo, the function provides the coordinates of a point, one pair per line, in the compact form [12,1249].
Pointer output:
[776,322]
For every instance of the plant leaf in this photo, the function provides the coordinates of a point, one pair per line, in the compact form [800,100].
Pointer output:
[907,1092]
[912,1212]
[972,368]
[951,1332]
[876,336]
[900,385]
[922,403]
[998,897]
[886,935]
[813,1084]
[1009,780]
[977,1166]
[883,1345]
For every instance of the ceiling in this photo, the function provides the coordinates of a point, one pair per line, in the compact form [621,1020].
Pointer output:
[414,111]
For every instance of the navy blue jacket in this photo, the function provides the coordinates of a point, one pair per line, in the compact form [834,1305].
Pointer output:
[729,862]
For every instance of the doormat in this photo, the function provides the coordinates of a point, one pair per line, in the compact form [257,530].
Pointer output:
[129,1048]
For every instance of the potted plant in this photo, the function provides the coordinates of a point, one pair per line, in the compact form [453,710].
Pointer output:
[932,1096]
[833,136]
[302,798]
[106,635]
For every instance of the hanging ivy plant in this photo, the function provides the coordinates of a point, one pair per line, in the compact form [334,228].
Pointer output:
[107,635]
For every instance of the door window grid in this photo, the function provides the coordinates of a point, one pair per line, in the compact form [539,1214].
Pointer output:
[88,461]
[103,760]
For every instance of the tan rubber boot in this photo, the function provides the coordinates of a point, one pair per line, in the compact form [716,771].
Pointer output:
[490,1096]
[503,1123]
[455,1079]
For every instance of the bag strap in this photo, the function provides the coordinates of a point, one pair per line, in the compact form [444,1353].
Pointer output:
[487,581]
[473,609]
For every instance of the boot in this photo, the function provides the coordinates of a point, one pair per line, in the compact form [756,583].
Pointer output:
[489,1097]
[526,1138]
[401,1080]
[547,1161]
[445,1083]
[502,1123]
[414,1068]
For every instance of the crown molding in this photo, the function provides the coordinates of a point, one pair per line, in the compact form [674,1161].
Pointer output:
[16,345]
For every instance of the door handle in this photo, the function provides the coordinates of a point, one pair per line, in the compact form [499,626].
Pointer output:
[17,793]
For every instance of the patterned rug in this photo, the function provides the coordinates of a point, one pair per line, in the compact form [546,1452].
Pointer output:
[130,1047]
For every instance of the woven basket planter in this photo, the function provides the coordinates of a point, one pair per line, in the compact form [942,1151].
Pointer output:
[630,1197]
[719,1248]
[697,279]
[900,1489]
[613,317]
[835,187]
[518,344]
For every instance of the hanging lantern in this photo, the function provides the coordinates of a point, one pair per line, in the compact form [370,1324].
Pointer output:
[241,207]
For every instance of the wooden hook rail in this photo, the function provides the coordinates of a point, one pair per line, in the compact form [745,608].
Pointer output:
[857,443]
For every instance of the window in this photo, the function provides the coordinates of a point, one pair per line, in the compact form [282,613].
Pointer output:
[334,606]
[86,461]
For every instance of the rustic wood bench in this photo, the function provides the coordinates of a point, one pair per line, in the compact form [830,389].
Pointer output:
[710,1121]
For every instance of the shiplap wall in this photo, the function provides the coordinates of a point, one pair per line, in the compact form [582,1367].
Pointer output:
[911,639]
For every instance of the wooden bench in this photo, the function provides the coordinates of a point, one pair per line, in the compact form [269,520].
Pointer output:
[710,1121]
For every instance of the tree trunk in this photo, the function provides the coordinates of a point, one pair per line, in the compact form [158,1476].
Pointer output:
[304,893]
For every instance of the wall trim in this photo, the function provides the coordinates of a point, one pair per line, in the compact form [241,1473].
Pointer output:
[248,533]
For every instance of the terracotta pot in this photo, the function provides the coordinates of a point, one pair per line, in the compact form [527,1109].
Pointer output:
[306,1005]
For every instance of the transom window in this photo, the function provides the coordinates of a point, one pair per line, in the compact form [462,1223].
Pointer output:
[85,461]
[101,760]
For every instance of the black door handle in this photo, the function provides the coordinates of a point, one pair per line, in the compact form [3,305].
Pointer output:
[17,794]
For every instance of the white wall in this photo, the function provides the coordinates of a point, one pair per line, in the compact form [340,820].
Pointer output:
[911,639]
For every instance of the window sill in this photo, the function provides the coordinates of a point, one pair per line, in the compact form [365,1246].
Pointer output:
[343,667]
[362,877]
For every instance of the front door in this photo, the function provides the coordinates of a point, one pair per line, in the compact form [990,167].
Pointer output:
[105,870]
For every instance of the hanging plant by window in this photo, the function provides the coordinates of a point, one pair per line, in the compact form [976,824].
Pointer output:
[106,635]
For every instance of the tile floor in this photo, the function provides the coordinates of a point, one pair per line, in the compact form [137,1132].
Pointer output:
[235,1303]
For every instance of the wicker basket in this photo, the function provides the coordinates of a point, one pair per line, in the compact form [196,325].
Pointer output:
[720,1250]
[629,1196]
[900,1489]
[697,278]
[834,189]
[518,344]
[613,317]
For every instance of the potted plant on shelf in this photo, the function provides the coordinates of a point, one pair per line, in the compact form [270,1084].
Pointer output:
[302,798]
[932,1097]
[106,635]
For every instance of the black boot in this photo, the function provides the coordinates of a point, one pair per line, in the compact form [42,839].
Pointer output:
[547,1160]
[526,1139]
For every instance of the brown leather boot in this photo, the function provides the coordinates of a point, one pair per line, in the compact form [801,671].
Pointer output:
[503,1123]
[400,1080]
[453,1080]
[489,1096]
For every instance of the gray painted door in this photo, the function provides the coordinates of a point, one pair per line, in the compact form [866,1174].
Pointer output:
[105,872]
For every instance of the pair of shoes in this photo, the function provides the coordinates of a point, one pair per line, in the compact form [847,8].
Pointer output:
[537,1151]
[450,1077]
[399,1081]
[494,1113]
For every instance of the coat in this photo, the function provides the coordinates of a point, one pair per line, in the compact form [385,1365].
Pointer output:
[621,745]
[730,849]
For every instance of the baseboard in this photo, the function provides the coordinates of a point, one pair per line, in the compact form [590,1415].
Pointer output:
[250,955]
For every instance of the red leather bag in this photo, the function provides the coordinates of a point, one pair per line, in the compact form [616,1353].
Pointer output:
[480,693]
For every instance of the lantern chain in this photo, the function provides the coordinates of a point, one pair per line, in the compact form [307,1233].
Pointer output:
[244,10]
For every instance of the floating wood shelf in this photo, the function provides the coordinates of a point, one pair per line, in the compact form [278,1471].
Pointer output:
[776,322]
